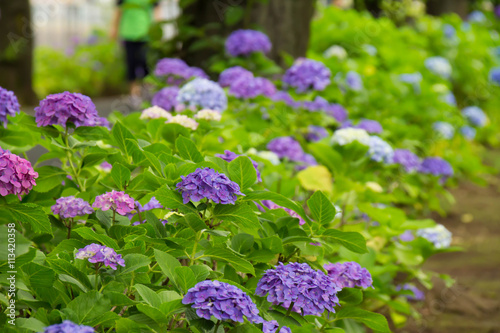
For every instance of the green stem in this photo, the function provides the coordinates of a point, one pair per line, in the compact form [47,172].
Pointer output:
[290,308]
[114,215]
[96,265]
[217,326]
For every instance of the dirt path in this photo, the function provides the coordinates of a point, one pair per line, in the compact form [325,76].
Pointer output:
[472,305]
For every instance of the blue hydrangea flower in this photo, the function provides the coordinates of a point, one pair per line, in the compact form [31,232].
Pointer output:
[406,159]
[475,116]
[9,105]
[229,156]
[245,42]
[354,81]
[444,129]
[208,183]
[495,74]
[286,147]
[223,301]
[411,78]
[272,327]
[476,16]
[68,327]
[166,98]
[449,31]
[204,94]
[316,133]
[418,295]
[468,132]
[230,75]
[438,235]
[349,275]
[450,99]
[311,291]
[436,166]
[370,49]
[379,150]
[307,74]
[439,66]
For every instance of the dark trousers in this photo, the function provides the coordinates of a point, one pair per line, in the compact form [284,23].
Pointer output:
[135,54]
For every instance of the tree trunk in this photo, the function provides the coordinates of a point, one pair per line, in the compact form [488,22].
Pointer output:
[16,49]
[439,7]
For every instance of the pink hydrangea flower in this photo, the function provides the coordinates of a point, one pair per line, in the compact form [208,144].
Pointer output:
[115,200]
[16,174]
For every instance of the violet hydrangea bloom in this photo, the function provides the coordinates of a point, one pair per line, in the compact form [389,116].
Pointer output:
[283,96]
[115,200]
[475,116]
[495,75]
[353,81]
[311,291]
[70,207]
[229,156]
[171,66]
[166,98]
[337,111]
[58,109]
[436,166]
[271,205]
[230,75]
[208,183]
[349,275]
[439,236]
[418,295]
[96,253]
[406,159]
[68,327]
[250,87]
[244,42]
[204,94]
[371,126]
[318,104]
[223,301]
[316,133]
[286,147]
[306,74]
[407,236]
[272,327]
[153,203]
[379,150]
[468,132]
[9,105]
[16,175]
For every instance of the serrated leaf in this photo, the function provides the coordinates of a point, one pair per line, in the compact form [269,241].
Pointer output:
[187,149]
[89,234]
[322,210]
[134,261]
[48,178]
[351,295]
[148,295]
[63,267]
[242,172]
[241,215]
[240,264]
[375,321]
[89,307]
[184,278]
[173,200]
[353,241]
[277,199]
[120,175]
[33,215]
[167,263]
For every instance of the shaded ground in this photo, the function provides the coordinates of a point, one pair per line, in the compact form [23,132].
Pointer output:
[472,305]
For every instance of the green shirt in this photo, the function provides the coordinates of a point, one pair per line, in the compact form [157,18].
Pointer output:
[136,19]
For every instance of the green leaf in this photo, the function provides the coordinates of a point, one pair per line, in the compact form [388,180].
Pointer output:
[89,307]
[171,132]
[321,208]
[187,149]
[173,200]
[134,261]
[328,156]
[316,178]
[148,295]
[353,241]
[120,135]
[157,225]
[375,321]
[152,160]
[233,15]
[92,133]
[201,272]
[119,232]
[277,199]
[240,264]
[48,178]
[242,172]
[153,313]
[241,215]
[245,328]
[351,295]
[120,175]
[38,276]
[33,215]
[195,222]
[184,278]
[167,263]
[63,267]
[89,234]
[242,242]
[31,323]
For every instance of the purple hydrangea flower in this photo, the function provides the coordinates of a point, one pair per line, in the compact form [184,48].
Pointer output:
[407,236]
[58,109]
[171,66]
[449,31]
[230,75]
[272,327]
[196,72]
[16,175]
[283,96]
[9,105]
[468,132]
[306,74]
[96,253]
[349,275]
[475,116]
[70,207]
[306,161]
[337,111]
[371,126]
[286,147]
[354,81]
[208,183]
[311,291]
[271,205]
[153,203]
[318,104]
[223,301]
[204,94]
[407,159]
[244,42]
[250,87]
[436,166]
[229,156]
[68,327]
[495,75]
[103,122]
[497,11]
[166,98]
[316,133]
[418,295]
[115,200]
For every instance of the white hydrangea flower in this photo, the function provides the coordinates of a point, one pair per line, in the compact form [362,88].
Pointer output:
[207,114]
[345,136]
[438,235]
[439,66]
[336,51]
[266,155]
[185,121]
[375,187]
[155,112]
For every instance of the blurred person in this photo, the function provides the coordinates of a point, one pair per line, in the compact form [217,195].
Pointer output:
[131,23]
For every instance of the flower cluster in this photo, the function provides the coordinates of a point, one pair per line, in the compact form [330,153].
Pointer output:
[245,42]
[438,235]
[152,204]
[116,201]
[370,126]
[223,301]
[9,105]
[311,291]
[495,75]
[155,112]
[96,253]
[207,114]
[444,129]
[349,275]
[68,327]
[272,327]
[449,31]
[271,205]
[475,116]
[306,74]
[232,74]
[166,98]
[177,70]
[450,99]
[411,78]
[436,166]
[250,87]
[204,94]
[288,147]
[16,174]
[439,66]
[353,81]
[316,133]
[476,16]
[336,51]
[346,136]
[468,132]
[59,109]
[70,207]
[379,150]
[406,159]
[208,183]
[418,295]
[184,121]
[229,156]
[337,111]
